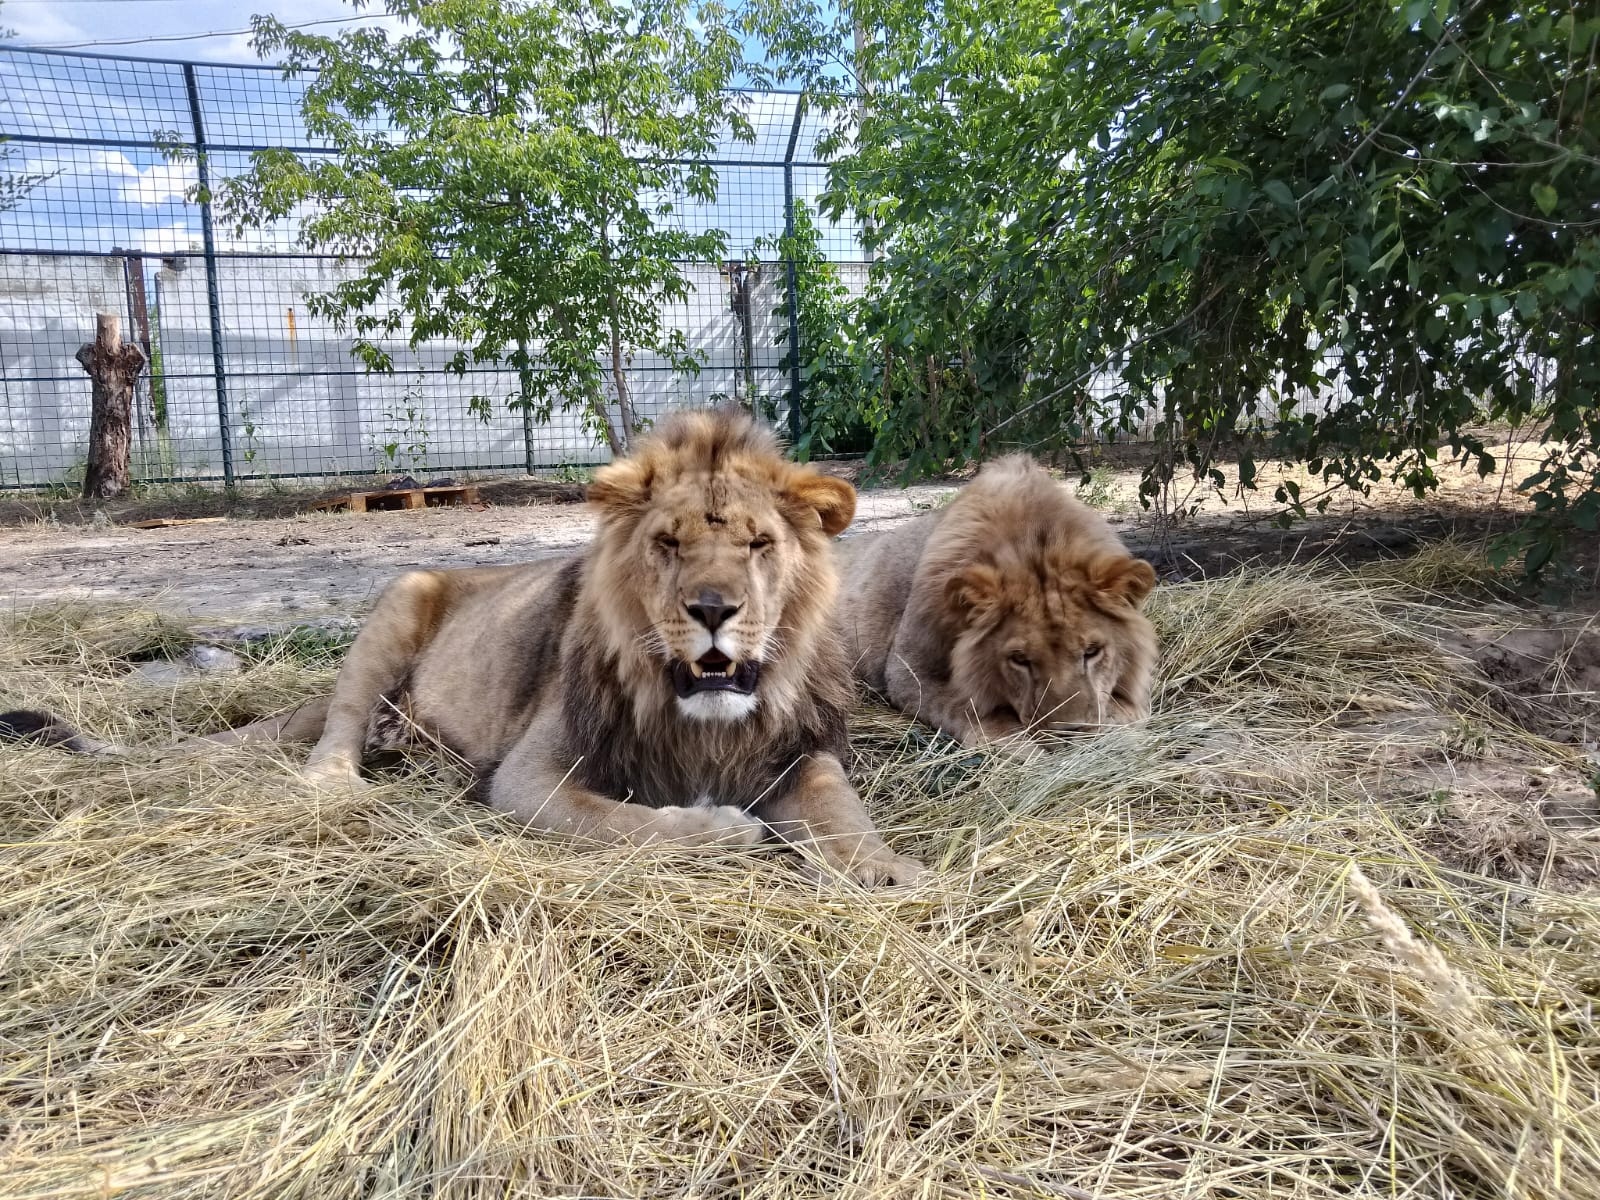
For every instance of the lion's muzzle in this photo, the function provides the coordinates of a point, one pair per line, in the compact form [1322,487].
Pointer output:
[713,671]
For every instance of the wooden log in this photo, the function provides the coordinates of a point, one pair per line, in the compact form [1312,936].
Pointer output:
[113,366]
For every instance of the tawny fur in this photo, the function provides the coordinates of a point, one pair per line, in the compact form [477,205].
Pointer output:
[551,679]
[977,618]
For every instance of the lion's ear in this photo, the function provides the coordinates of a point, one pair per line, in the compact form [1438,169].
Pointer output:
[976,590]
[1126,578]
[833,500]
[621,487]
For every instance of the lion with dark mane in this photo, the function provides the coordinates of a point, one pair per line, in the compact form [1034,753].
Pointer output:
[1014,609]
[683,679]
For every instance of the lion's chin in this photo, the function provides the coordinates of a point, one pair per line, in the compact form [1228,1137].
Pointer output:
[718,706]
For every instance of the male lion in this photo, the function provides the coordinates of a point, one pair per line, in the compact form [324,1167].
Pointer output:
[1013,609]
[683,679]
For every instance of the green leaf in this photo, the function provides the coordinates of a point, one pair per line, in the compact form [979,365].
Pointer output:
[1334,91]
[1381,267]
[1278,192]
[1545,197]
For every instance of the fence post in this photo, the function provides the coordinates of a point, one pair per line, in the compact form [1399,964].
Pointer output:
[213,298]
[792,281]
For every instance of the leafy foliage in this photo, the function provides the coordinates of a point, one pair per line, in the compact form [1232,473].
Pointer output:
[1344,232]
[503,174]
[830,380]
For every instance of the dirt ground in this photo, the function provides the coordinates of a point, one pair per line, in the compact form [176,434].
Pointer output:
[308,564]
[271,560]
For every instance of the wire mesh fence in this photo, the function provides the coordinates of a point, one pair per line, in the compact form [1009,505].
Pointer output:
[244,380]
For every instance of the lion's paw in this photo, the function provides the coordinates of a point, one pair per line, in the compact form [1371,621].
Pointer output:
[887,870]
[1018,749]
[872,868]
[333,775]
[722,825]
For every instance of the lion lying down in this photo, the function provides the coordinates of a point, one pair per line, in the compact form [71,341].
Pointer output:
[682,679]
[1014,609]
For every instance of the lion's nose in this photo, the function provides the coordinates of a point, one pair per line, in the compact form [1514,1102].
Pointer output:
[711,610]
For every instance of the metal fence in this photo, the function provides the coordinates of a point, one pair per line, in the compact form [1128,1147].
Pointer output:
[244,382]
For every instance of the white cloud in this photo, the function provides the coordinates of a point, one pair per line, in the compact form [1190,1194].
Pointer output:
[169,239]
[159,184]
[275,236]
[41,24]
[112,162]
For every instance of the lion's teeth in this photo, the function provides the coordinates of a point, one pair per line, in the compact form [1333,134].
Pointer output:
[729,670]
[696,670]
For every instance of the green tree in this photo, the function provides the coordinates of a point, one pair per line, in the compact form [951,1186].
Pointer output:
[830,375]
[1205,211]
[499,176]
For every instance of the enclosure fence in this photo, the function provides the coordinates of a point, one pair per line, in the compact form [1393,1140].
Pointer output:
[243,381]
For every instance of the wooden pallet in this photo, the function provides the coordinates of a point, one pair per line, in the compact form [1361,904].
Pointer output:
[422,497]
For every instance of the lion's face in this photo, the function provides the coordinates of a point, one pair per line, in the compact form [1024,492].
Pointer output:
[1053,649]
[711,553]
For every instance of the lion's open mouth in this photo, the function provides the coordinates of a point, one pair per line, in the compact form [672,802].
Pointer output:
[713,671]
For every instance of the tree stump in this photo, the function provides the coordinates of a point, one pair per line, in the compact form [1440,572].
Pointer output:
[113,366]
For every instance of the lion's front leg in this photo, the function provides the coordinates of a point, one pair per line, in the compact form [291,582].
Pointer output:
[822,816]
[406,616]
[533,787]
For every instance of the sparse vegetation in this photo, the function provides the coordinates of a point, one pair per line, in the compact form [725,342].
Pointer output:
[572,473]
[1097,486]
[405,440]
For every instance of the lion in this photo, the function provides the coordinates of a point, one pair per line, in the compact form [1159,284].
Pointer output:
[1012,611]
[683,679]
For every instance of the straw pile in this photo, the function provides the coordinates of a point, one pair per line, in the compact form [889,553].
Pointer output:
[1243,952]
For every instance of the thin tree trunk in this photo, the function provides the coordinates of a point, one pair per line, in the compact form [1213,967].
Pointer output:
[863,105]
[596,398]
[619,374]
[113,366]
[619,377]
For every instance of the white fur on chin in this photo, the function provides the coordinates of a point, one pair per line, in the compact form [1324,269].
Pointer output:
[718,706]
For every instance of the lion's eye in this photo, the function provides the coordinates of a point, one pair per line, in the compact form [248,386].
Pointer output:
[1018,659]
[1090,653]
[759,544]
[666,541]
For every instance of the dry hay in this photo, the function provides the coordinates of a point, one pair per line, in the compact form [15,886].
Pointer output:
[1238,953]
